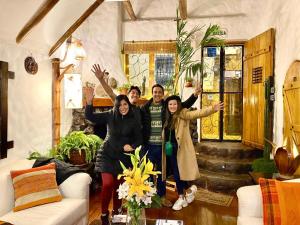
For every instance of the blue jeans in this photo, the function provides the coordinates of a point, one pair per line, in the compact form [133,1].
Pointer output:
[154,155]
[172,163]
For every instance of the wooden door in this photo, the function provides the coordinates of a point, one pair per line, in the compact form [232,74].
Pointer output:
[291,99]
[258,66]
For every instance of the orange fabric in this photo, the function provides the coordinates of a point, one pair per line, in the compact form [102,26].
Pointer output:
[15,173]
[289,200]
[271,207]
[35,186]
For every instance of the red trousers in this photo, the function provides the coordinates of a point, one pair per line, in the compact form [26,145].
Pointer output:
[110,184]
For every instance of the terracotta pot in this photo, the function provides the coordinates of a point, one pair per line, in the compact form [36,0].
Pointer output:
[285,162]
[123,91]
[188,84]
[76,158]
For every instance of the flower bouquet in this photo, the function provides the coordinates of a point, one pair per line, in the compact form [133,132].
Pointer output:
[137,191]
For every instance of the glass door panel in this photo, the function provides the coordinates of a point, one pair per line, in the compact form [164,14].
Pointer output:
[232,119]
[223,81]
[210,127]
[211,70]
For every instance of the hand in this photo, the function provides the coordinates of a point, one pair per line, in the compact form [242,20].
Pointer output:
[88,94]
[218,106]
[127,148]
[100,74]
[198,90]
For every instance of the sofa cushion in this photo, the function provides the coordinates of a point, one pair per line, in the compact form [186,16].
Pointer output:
[65,212]
[289,199]
[271,209]
[35,186]
[249,221]
[6,186]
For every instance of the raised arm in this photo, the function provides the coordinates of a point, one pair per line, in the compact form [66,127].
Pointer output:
[99,118]
[195,114]
[192,99]
[100,75]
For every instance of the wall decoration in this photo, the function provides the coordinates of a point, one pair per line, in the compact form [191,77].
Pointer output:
[31,65]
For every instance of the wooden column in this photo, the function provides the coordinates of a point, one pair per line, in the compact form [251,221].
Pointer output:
[56,93]
[4,144]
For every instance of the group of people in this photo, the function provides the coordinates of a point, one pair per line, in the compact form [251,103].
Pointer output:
[151,125]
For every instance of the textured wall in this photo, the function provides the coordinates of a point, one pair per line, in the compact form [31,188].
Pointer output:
[29,102]
[103,33]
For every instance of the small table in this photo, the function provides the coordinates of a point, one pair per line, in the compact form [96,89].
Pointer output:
[150,221]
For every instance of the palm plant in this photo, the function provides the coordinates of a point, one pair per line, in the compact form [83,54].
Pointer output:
[187,64]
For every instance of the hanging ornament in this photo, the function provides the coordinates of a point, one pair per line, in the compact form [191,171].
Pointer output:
[31,65]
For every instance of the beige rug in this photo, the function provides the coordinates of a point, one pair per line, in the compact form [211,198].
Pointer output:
[204,195]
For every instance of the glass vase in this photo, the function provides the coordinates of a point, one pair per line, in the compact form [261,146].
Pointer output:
[136,216]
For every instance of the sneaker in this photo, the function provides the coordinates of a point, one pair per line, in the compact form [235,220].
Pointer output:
[165,202]
[104,219]
[190,196]
[181,202]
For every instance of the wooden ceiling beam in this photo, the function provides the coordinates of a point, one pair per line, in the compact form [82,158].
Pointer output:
[78,22]
[129,9]
[183,9]
[36,18]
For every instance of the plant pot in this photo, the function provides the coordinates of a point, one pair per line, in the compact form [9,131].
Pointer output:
[123,91]
[188,84]
[76,158]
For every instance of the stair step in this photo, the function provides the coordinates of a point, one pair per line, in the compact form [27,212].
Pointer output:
[222,182]
[211,163]
[234,150]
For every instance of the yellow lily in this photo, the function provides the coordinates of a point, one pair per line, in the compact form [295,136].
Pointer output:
[136,183]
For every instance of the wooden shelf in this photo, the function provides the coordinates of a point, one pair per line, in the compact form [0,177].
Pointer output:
[107,102]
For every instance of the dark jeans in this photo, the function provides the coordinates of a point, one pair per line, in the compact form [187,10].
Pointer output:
[172,163]
[154,155]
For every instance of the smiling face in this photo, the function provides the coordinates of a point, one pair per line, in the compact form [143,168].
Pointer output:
[158,94]
[124,107]
[133,96]
[172,106]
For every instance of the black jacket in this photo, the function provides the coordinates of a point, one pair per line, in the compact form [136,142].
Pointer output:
[121,130]
[146,117]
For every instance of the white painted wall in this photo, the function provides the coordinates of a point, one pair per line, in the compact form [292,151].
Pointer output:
[29,102]
[102,35]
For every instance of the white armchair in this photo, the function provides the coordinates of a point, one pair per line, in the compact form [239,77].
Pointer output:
[72,210]
[250,209]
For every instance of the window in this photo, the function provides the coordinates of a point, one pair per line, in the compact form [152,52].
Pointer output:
[148,63]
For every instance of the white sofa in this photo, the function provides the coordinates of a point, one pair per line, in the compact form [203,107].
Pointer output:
[72,210]
[250,205]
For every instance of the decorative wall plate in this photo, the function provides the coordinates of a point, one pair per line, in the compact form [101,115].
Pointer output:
[30,65]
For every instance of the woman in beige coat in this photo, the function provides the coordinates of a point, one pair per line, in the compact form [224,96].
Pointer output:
[182,159]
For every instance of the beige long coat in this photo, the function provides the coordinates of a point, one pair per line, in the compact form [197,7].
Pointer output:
[186,156]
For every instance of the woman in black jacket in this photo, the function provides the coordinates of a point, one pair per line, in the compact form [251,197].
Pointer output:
[123,135]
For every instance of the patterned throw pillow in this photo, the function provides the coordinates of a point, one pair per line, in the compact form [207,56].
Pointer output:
[35,186]
[271,209]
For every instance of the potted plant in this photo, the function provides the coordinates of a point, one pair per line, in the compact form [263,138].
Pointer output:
[188,82]
[124,88]
[187,63]
[79,148]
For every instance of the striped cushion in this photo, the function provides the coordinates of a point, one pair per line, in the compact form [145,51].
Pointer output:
[35,186]
[271,209]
